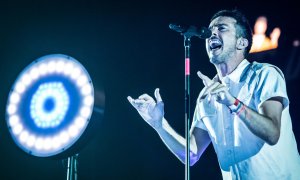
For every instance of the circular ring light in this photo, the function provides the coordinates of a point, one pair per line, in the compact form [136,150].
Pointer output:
[50,105]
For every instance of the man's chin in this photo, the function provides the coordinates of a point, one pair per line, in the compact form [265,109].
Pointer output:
[214,60]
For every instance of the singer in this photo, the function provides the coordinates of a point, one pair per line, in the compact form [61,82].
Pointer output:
[243,111]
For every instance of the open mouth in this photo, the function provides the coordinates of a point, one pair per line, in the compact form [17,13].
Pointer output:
[215,44]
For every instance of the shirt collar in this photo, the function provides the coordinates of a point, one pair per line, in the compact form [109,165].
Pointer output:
[235,75]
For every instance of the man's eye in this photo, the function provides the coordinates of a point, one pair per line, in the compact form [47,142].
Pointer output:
[222,28]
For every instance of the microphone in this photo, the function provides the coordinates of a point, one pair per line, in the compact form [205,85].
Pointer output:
[201,33]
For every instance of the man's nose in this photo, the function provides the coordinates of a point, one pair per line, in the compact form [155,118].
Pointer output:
[214,31]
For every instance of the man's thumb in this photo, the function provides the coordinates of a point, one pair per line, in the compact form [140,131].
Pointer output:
[157,95]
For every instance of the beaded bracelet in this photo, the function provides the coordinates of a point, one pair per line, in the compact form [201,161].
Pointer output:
[241,110]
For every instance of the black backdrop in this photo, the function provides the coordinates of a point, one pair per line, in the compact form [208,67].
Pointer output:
[128,47]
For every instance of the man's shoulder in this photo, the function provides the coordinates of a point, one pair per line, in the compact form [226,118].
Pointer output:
[259,67]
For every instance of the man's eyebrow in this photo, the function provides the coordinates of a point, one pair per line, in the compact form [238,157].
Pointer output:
[217,25]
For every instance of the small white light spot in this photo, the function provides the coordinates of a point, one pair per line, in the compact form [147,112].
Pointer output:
[17,129]
[64,137]
[31,140]
[34,73]
[11,109]
[68,68]
[75,73]
[56,142]
[85,112]
[80,122]
[60,66]
[39,143]
[82,80]
[73,131]
[20,88]
[42,69]
[51,66]
[14,98]
[26,79]
[47,143]
[88,100]
[24,136]
[14,120]
[86,89]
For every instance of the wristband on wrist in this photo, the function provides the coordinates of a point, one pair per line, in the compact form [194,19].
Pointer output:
[236,102]
[236,106]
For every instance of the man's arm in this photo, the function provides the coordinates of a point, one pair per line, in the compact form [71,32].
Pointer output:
[199,140]
[153,113]
[266,122]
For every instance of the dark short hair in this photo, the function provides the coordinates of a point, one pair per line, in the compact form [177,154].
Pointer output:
[243,30]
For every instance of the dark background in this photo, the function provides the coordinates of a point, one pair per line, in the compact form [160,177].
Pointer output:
[128,47]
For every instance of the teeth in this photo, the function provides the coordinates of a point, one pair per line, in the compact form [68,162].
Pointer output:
[214,43]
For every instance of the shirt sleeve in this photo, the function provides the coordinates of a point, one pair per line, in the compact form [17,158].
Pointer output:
[271,83]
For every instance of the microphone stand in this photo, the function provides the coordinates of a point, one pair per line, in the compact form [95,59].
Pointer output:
[187,45]
[188,33]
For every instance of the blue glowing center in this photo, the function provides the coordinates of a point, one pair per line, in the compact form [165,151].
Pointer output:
[49,104]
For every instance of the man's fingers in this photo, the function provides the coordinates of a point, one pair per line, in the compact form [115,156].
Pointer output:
[159,102]
[145,97]
[219,92]
[139,101]
[206,80]
[135,102]
[212,87]
[219,89]
[130,99]
[157,95]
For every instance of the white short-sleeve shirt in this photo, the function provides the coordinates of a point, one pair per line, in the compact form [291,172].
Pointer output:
[241,154]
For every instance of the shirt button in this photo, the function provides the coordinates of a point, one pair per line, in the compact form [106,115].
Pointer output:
[228,152]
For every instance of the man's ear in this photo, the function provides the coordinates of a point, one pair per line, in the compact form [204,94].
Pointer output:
[242,43]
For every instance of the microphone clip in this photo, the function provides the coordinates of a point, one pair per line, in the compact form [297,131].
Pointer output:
[190,31]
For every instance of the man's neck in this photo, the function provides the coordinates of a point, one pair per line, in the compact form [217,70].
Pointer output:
[226,68]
